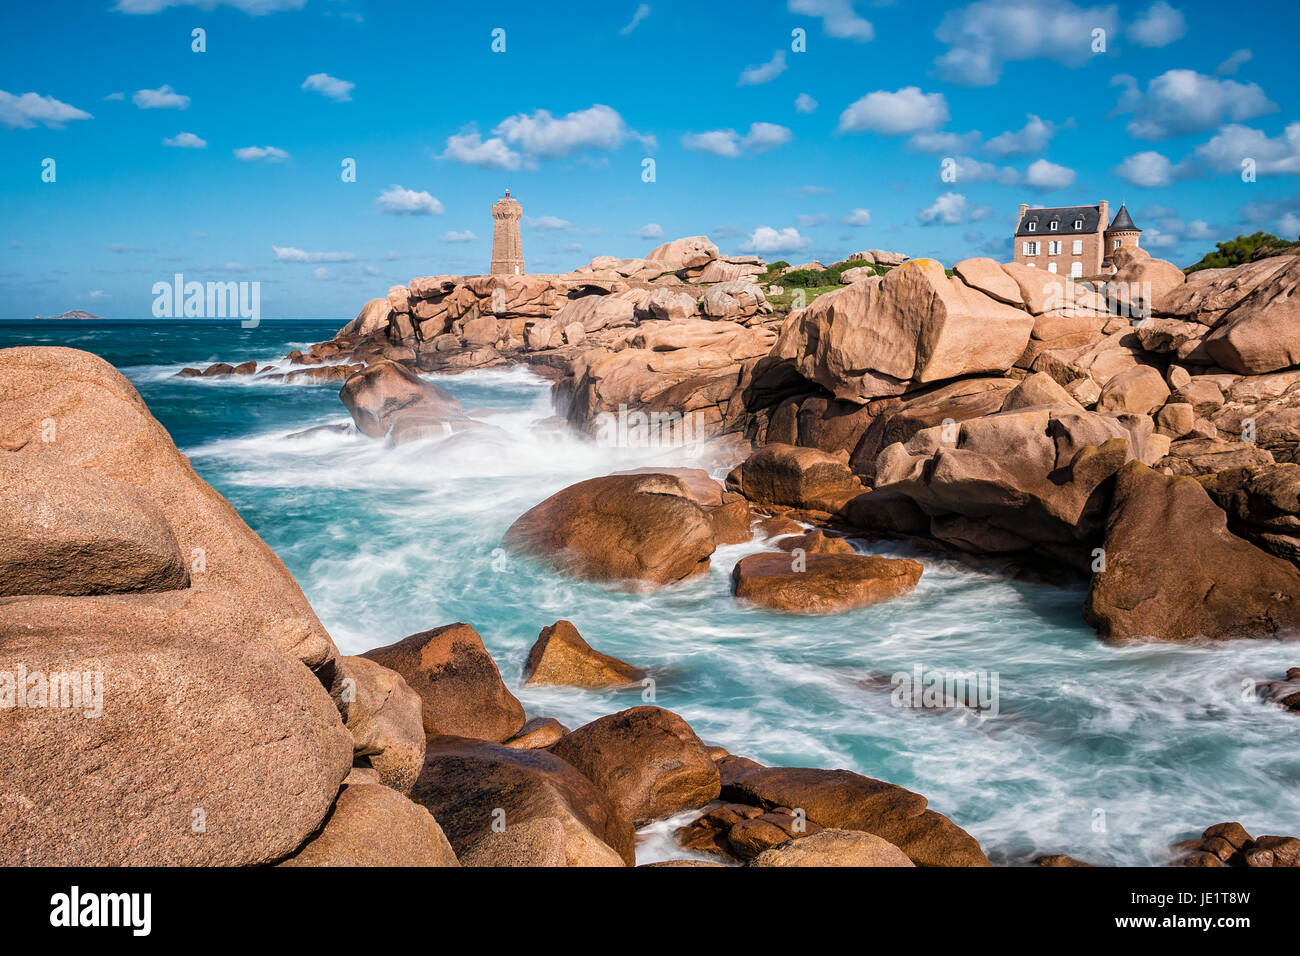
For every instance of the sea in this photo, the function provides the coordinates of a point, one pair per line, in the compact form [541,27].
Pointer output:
[1108,753]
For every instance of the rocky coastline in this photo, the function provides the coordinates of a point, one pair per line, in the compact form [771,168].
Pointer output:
[1138,432]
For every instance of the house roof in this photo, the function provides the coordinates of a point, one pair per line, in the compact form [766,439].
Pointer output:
[1123,222]
[1066,216]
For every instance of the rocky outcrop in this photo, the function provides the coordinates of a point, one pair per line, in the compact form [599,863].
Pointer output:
[1229,844]
[505,807]
[632,528]
[1285,693]
[561,657]
[372,825]
[834,848]
[388,397]
[458,683]
[647,760]
[385,718]
[780,474]
[1173,571]
[820,582]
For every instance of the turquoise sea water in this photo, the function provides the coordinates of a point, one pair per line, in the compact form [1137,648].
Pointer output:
[1107,753]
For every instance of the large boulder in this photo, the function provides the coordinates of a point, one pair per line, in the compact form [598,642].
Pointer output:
[1140,390]
[640,527]
[385,392]
[839,799]
[457,680]
[914,326]
[385,717]
[1261,333]
[821,582]
[372,318]
[693,252]
[561,657]
[372,825]
[646,759]
[834,848]
[1173,571]
[779,474]
[479,792]
[66,530]
[1262,504]
[188,743]
[1140,280]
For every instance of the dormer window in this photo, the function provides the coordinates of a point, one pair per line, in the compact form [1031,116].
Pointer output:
[1033,227]
[1054,225]
[1078,224]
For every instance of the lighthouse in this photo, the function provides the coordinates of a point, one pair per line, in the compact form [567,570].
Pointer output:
[507,247]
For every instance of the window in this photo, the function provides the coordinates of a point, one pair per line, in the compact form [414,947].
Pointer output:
[1032,226]
[1116,246]
[1076,270]
[1051,267]
[1078,224]
[1054,247]
[1078,247]
[1030,248]
[1054,225]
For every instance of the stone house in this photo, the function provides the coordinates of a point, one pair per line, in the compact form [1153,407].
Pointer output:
[1072,240]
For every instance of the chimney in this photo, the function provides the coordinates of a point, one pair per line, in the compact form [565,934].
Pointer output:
[1105,215]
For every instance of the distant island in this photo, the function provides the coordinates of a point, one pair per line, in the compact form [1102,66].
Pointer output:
[74,314]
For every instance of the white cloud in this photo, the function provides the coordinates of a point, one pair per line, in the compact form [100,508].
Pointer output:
[453,236]
[951,209]
[471,149]
[1042,174]
[329,86]
[766,239]
[983,36]
[809,221]
[370,270]
[651,230]
[519,141]
[24,112]
[803,103]
[1225,151]
[838,17]
[186,141]
[290,254]
[857,217]
[114,96]
[970,170]
[1160,26]
[250,154]
[1289,225]
[1033,138]
[320,272]
[727,142]
[904,111]
[1151,169]
[408,202]
[764,72]
[163,98]
[642,11]
[548,223]
[1234,63]
[254,8]
[1178,102]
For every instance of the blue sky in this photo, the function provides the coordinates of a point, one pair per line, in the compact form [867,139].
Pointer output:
[226,164]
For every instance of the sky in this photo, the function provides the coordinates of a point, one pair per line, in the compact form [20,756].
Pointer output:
[133,148]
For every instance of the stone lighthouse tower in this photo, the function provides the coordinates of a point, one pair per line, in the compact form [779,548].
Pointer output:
[507,247]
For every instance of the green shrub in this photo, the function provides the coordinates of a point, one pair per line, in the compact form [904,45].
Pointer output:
[1242,249]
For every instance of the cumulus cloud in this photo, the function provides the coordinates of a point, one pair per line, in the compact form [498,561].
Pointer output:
[25,111]
[907,110]
[765,239]
[114,96]
[729,143]
[857,217]
[1273,155]
[1032,138]
[186,141]
[453,236]
[1234,63]
[942,141]
[983,36]
[764,72]
[642,11]
[838,17]
[651,230]
[1178,102]
[807,221]
[519,141]
[950,209]
[1042,174]
[969,170]
[803,103]
[408,202]
[290,254]
[1160,26]
[1148,168]
[548,223]
[251,154]
[329,86]
[163,98]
